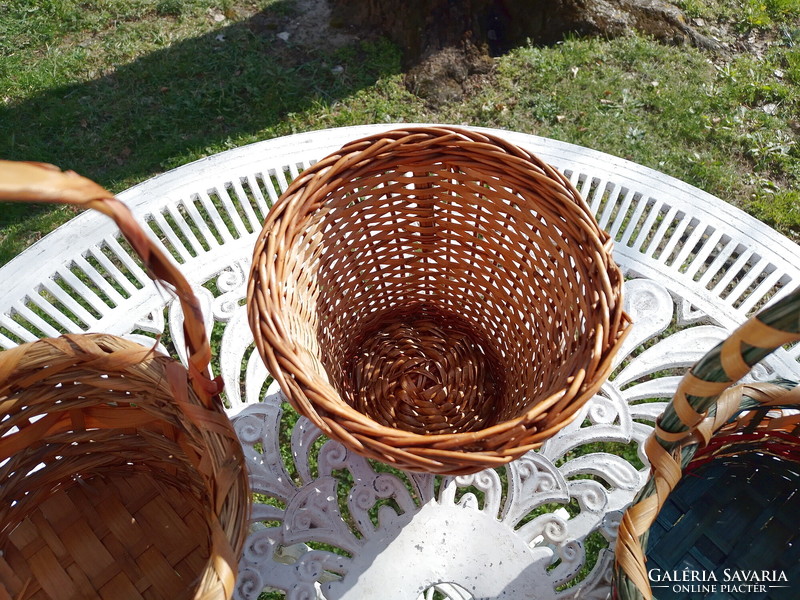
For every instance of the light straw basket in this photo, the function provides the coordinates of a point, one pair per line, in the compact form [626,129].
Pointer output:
[435,298]
[120,475]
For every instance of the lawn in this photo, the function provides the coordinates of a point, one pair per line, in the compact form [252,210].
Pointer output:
[120,90]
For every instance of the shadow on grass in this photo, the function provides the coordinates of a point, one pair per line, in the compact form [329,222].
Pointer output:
[199,96]
[232,86]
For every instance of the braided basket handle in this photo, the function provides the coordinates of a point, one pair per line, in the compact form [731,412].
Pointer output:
[724,365]
[40,182]
[707,387]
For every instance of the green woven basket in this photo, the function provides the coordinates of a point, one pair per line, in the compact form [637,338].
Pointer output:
[720,506]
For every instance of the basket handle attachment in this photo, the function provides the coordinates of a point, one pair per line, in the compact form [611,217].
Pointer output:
[41,182]
[707,389]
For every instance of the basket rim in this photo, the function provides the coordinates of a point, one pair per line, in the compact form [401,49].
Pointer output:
[270,327]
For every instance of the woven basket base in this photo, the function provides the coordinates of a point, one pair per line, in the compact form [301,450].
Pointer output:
[111,537]
[426,372]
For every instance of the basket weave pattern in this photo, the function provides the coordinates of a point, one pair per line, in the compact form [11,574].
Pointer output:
[711,419]
[435,298]
[120,475]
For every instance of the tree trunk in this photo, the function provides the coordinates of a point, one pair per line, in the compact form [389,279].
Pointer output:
[447,41]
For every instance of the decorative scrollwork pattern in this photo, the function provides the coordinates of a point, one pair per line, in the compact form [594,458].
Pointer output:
[330,524]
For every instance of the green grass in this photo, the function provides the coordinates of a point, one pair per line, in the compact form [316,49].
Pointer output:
[744,15]
[120,91]
[138,95]
[667,108]
[767,13]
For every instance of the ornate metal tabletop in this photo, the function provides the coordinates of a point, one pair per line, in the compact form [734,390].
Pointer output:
[328,523]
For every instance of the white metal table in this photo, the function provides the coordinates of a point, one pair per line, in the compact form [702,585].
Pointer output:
[330,524]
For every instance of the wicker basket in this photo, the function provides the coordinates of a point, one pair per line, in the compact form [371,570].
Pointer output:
[436,299]
[120,476]
[714,501]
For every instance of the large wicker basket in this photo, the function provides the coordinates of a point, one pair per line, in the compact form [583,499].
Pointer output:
[435,298]
[721,501]
[120,475]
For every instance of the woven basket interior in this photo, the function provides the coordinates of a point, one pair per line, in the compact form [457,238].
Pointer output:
[103,496]
[117,535]
[444,297]
[736,513]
